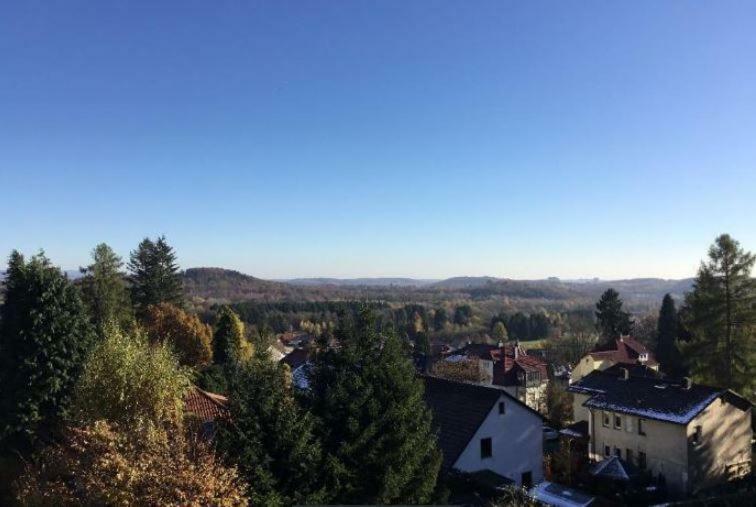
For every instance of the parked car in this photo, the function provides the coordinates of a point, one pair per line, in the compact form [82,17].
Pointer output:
[550,433]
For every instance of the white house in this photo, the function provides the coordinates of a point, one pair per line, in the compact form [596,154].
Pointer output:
[485,428]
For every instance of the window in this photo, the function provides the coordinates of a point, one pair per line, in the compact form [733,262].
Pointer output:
[606,419]
[642,460]
[629,456]
[618,452]
[527,479]
[697,435]
[617,422]
[486,448]
[502,408]
[641,430]
[607,450]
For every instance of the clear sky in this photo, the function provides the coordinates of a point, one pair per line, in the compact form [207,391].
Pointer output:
[345,138]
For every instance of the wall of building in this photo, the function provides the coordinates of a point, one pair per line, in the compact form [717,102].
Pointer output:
[724,451]
[664,444]
[586,365]
[517,443]
[579,412]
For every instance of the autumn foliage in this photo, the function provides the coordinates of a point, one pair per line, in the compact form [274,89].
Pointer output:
[191,339]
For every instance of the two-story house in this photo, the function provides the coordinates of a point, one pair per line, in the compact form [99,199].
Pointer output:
[690,436]
[481,428]
[510,368]
[626,351]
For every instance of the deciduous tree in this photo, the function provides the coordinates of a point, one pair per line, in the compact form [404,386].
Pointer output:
[104,290]
[185,332]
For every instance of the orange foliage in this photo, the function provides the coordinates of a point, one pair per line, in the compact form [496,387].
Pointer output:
[189,336]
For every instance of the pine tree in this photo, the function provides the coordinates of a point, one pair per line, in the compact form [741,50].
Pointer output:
[373,417]
[155,276]
[666,351]
[104,290]
[45,334]
[229,343]
[271,439]
[720,316]
[612,321]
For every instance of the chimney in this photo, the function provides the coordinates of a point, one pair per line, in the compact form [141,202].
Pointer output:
[625,373]
[517,349]
[687,383]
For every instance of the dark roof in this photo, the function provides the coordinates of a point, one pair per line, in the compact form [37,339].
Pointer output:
[296,358]
[458,409]
[635,370]
[577,429]
[206,406]
[651,398]
[614,468]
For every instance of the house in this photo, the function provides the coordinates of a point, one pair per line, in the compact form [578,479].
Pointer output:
[689,436]
[298,360]
[510,368]
[626,351]
[557,495]
[205,409]
[484,428]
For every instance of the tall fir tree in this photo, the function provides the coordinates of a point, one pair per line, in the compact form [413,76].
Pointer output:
[720,316]
[611,320]
[45,335]
[104,290]
[666,349]
[154,275]
[271,439]
[373,417]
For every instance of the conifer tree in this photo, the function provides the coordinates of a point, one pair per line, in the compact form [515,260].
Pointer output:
[720,316]
[45,334]
[271,439]
[667,352]
[155,276]
[104,290]
[373,417]
[612,321]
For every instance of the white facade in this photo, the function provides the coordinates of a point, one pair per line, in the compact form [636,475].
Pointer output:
[516,444]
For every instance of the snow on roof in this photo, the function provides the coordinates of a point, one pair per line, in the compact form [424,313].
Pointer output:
[557,495]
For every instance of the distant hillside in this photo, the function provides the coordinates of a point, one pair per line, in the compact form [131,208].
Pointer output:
[222,285]
[363,282]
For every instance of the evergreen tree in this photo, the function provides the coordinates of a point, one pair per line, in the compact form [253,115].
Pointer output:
[667,352]
[440,318]
[229,343]
[155,276]
[104,290]
[612,321]
[463,315]
[720,315]
[373,417]
[271,439]
[45,334]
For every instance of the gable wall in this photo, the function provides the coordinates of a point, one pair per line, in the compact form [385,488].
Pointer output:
[517,438]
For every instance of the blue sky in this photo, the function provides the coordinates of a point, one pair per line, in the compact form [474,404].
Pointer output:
[427,139]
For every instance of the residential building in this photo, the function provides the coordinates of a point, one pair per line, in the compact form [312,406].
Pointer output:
[298,361]
[510,368]
[485,428]
[205,409]
[627,351]
[690,436]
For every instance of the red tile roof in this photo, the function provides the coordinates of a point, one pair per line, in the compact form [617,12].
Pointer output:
[627,350]
[508,361]
[206,406]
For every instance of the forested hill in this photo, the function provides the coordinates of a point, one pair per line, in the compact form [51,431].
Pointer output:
[217,285]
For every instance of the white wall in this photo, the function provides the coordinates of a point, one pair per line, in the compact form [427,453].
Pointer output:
[517,441]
